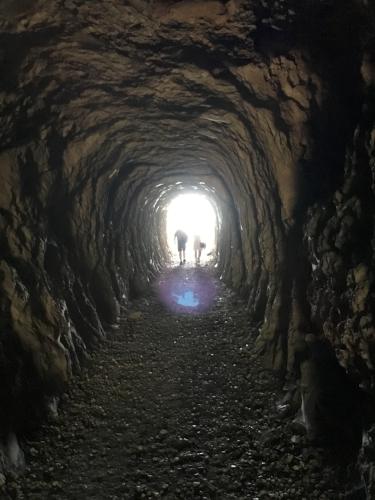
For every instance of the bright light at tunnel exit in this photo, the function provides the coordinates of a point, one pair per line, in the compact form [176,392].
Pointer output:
[195,215]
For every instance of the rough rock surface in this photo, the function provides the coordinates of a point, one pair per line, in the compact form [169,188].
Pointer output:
[176,406]
[339,237]
[110,108]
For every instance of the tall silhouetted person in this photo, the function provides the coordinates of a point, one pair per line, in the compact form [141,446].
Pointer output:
[181,244]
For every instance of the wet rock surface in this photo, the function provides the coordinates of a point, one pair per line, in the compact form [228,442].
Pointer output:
[175,406]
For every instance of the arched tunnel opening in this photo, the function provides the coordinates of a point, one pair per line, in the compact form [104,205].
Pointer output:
[195,215]
[244,367]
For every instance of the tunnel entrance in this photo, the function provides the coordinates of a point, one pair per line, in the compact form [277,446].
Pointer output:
[196,215]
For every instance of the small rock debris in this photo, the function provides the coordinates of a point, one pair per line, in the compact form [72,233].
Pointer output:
[175,407]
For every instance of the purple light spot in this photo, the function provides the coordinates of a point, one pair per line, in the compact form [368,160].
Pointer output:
[188,299]
[186,291]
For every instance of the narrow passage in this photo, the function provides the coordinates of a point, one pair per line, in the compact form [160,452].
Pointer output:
[175,406]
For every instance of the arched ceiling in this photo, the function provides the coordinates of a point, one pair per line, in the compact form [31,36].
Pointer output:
[105,105]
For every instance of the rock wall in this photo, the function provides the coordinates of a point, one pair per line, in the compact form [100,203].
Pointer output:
[339,236]
[105,106]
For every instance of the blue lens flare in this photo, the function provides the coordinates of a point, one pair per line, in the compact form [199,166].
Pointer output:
[188,299]
[186,292]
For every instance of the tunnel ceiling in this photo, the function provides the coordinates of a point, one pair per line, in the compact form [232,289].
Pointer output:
[105,105]
[162,85]
[189,86]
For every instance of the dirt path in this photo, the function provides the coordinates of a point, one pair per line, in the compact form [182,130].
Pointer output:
[174,406]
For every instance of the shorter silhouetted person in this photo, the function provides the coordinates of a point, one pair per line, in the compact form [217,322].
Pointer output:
[197,248]
[181,244]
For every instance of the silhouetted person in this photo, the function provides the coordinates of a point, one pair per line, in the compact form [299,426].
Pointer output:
[197,248]
[181,244]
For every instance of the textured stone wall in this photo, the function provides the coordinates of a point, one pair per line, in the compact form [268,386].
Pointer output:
[339,236]
[106,105]
[339,241]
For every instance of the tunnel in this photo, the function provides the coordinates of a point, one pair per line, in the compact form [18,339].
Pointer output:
[248,374]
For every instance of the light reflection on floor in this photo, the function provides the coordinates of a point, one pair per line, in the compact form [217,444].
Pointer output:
[186,290]
[188,299]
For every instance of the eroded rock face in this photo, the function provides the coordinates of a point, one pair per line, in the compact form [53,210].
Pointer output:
[106,105]
[340,242]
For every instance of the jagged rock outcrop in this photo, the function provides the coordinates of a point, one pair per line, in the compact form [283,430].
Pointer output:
[106,105]
[339,237]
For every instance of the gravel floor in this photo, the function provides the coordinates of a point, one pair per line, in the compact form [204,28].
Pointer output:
[175,406]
